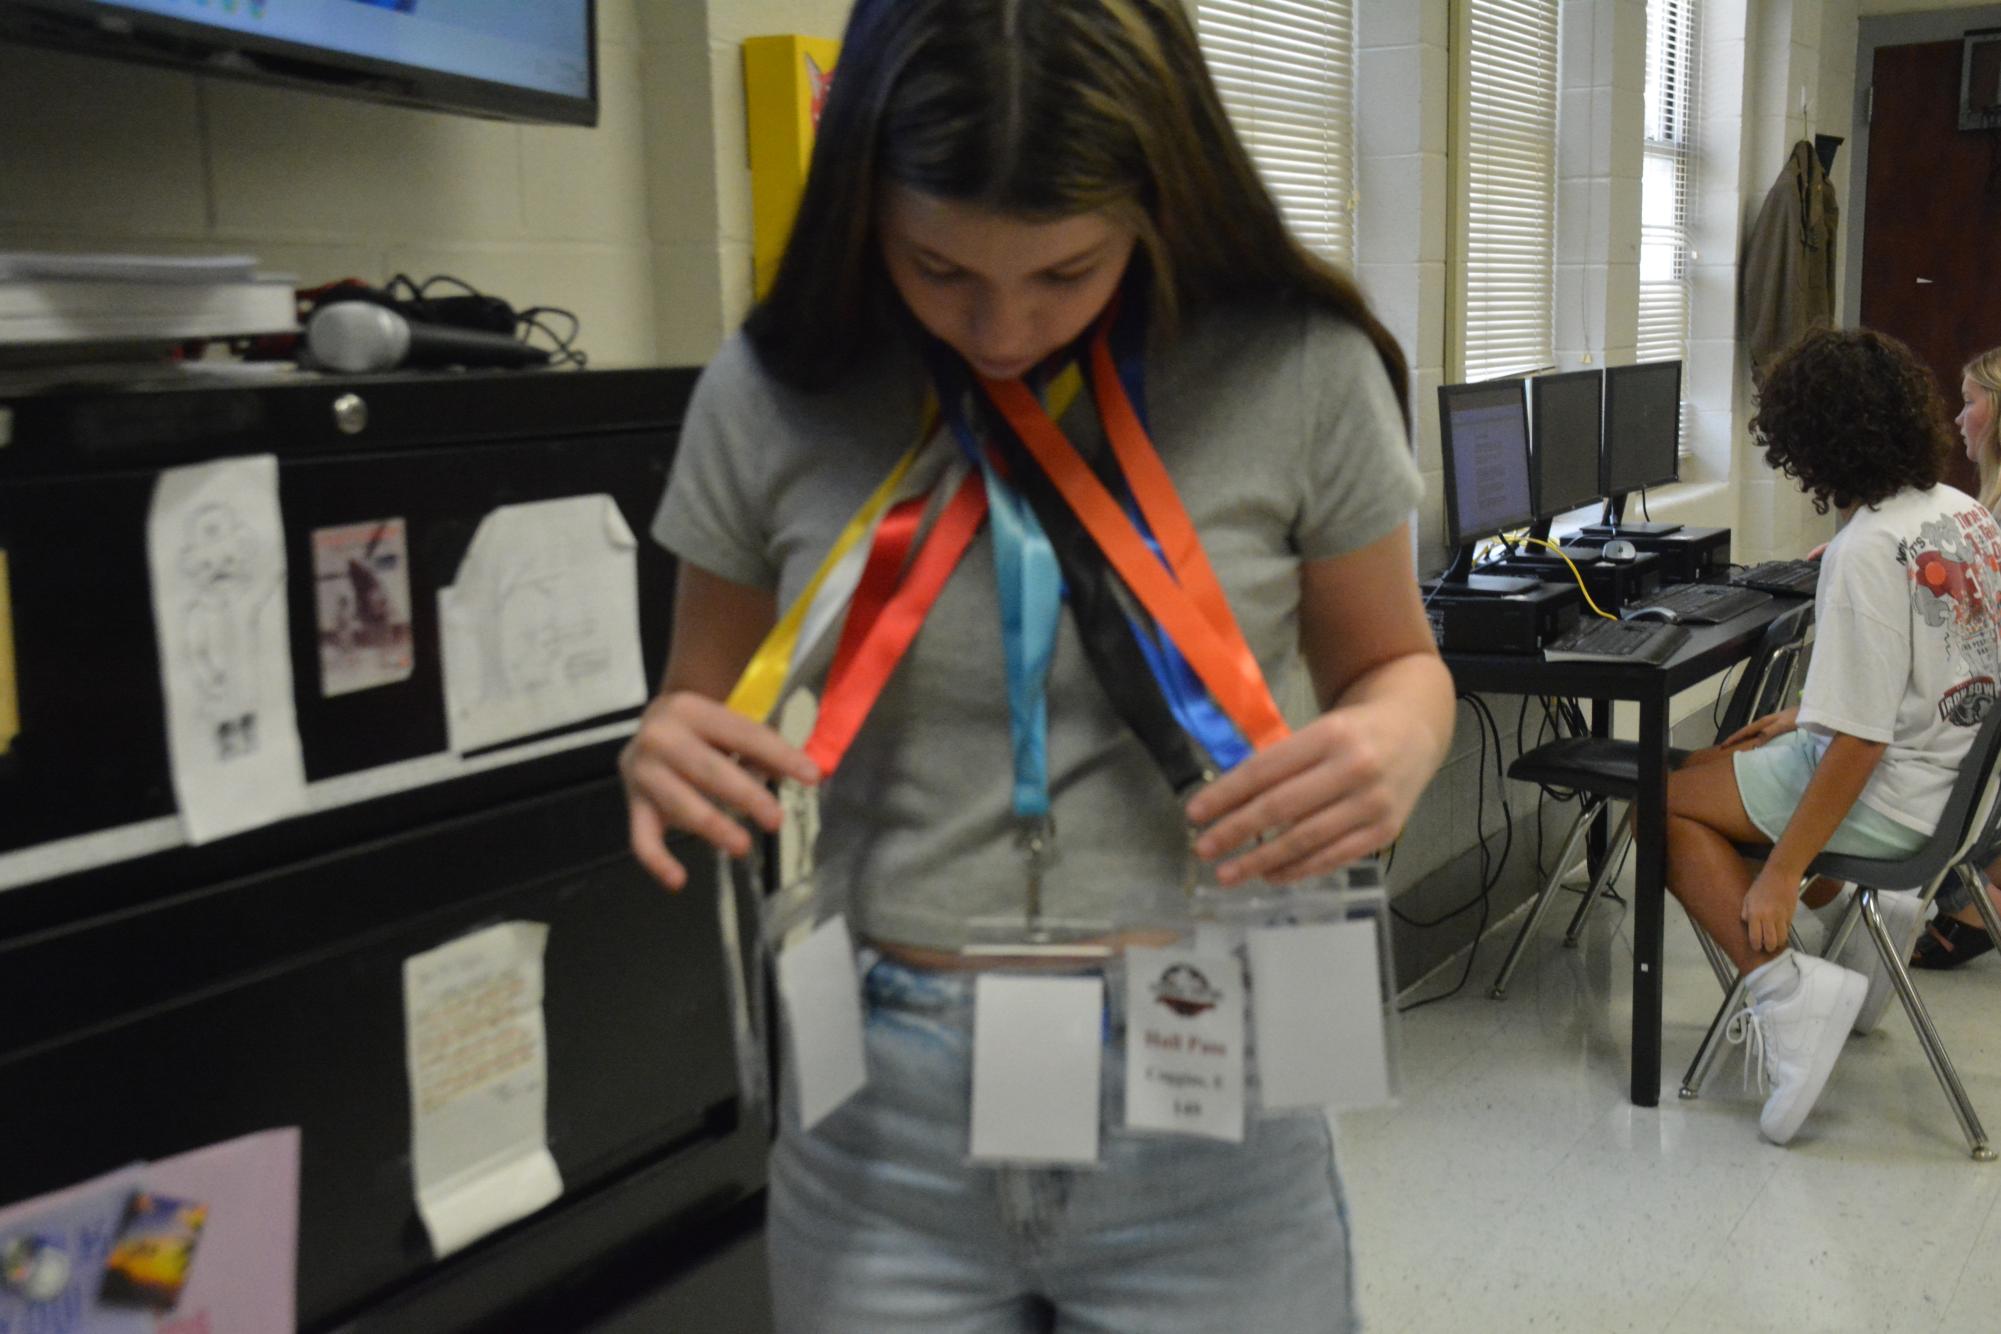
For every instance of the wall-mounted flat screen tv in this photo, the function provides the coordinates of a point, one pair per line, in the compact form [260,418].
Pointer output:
[528,60]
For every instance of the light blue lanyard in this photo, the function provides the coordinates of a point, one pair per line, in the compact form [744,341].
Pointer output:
[1030,587]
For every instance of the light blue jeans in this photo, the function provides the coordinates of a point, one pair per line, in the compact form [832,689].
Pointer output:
[877,1224]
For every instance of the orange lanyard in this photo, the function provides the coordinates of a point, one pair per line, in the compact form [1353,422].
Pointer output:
[1185,599]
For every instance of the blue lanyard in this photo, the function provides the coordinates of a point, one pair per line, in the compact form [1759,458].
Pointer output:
[1030,587]
[1189,699]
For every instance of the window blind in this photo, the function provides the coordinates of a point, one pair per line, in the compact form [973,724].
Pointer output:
[1668,186]
[1507,219]
[1285,69]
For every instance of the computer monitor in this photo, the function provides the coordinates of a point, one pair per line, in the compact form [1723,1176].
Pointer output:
[1483,434]
[1566,417]
[1642,436]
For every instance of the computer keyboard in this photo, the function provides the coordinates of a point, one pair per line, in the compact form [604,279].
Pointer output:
[1618,641]
[1705,604]
[1793,578]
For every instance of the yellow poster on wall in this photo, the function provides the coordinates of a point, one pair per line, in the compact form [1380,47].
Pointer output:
[785,80]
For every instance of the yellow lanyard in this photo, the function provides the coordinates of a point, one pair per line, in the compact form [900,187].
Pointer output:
[759,691]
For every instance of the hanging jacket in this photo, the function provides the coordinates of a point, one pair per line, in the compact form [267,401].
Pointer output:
[1787,277]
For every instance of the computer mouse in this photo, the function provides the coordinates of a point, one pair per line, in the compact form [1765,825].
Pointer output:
[1618,549]
[1668,614]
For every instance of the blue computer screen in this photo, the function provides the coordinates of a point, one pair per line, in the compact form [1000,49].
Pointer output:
[538,44]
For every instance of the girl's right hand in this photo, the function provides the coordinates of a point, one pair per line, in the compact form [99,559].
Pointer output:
[1763,729]
[691,761]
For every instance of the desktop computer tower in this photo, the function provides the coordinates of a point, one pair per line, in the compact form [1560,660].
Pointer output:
[1464,621]
[1686,555]
[1611,584]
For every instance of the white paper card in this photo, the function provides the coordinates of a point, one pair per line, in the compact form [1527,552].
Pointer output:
[216,547]
[1319,1016]
[541,628]
[479,1083]
[1218,938]
[1185,1043]
[823,1013]
[1037,1052]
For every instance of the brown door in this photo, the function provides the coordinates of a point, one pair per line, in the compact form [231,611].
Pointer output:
[1931,258]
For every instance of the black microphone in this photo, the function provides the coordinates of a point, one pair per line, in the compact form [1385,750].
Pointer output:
[357,337]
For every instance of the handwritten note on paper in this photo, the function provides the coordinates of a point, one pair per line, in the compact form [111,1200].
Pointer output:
[216,547]
[478,1083]
[541,628]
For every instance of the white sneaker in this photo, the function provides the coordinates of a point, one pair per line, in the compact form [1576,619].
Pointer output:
[1794,1038]
[1902,915]
[1811,933]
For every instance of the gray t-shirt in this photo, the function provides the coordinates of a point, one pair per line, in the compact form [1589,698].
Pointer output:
[1285,441]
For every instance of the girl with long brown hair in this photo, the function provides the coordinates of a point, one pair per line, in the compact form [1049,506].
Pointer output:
[1008,197]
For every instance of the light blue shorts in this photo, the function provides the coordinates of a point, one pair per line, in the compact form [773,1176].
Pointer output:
[1772,779]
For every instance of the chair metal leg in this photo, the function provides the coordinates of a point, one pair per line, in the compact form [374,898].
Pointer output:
[1839,936]
[1719,962]
[1921,1020]
[1712,1042]
[1615,852]
[1545,897]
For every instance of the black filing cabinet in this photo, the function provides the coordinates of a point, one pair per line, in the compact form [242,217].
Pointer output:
[158,997]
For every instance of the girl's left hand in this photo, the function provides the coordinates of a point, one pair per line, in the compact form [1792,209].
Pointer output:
[1337,790]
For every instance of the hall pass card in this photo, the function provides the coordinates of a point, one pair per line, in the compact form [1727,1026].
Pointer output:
[1185,1043]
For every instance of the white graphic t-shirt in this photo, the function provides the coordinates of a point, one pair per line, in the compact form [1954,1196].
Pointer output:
[1905,647]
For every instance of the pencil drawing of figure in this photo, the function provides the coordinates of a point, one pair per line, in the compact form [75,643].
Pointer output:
[543,637]
[527,637]
[219,626]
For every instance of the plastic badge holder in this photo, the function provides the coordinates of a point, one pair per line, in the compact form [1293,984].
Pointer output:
[1032,933]
[781,919]
[744,973]
[1221,917]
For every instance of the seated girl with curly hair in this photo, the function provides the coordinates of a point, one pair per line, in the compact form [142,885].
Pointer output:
[1904,668]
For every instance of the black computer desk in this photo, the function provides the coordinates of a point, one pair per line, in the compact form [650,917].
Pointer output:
[1710,649]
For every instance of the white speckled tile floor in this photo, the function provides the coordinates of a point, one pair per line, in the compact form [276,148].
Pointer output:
[1515,1188]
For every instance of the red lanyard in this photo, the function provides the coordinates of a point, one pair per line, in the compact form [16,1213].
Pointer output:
[1188,604]
[889,607]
